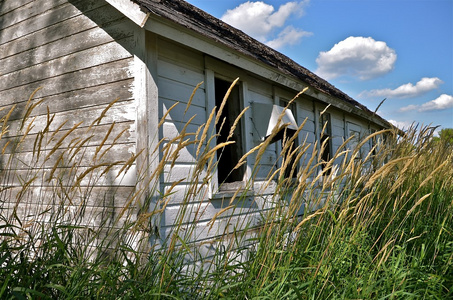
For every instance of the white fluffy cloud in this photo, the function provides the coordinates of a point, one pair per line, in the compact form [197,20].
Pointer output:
[401,124]
[406,90]
[360,57]
[260,20]
[288,36]
[444,101]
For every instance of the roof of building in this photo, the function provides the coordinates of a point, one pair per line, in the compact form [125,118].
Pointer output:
[191,17]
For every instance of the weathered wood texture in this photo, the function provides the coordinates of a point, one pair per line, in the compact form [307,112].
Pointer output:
[80,53]
[179,71]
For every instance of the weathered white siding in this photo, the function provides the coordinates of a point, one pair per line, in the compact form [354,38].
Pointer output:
[83,54]
[179,71]
[80,53]
[305,113]
[260,92]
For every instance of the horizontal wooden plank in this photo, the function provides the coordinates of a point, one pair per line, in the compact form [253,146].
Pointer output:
[308,126]
[96,76]
[28,10]
[68,157]
[102,176]
[183,155]
[171,130]
[185,173]
[77,61]
[177,113]
[180,55]
[180,92]
[193,193]
[259,88]
[120,112]
[68,27]
[337,131]
[46,19]
[307,137]
[305,102]
[66,46]
[181,74]
[89,97]
[205,211]
[8,6]
[122,133]
[203,230]
[88,196]
[102,218]
[260,98]
[303,114]
[263,171]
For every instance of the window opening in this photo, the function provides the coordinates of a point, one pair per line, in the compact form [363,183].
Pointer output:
[325,129]
[229,156]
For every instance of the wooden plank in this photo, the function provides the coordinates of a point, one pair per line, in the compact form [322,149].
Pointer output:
[28,10]
[170,130]
[180,55]
[68,157]
[177,113]
[184,155]
[260,98]
[81,60]
[88,196]
[180,74]
[269,158]
[193,193]
[120,112]
[66,46]
[95,217]
[180,92]
[308,126]
[308,136]
[263,171]
[97,135]
[205,211]
[68,177]
[7,6]
[337,131]
[203,230]
[46,19]
[72,100]
[305,104]
[259,88]
[180,172]
[62,29]
[110,72]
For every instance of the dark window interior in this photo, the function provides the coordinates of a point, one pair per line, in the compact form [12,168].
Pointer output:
[229,156]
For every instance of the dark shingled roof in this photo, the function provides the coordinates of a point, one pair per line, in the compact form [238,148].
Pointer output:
[193,18]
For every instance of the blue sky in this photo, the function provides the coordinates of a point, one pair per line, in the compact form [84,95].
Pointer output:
[401,50]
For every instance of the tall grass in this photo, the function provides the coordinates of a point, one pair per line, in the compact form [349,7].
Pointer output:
[375,228]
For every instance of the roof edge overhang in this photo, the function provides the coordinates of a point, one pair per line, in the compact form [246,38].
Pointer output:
[185,36]
[131,10]
[154,22]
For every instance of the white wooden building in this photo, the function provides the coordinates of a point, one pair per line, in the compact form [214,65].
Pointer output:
[151,54]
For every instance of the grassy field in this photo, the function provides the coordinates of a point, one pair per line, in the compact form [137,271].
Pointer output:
[386,234]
